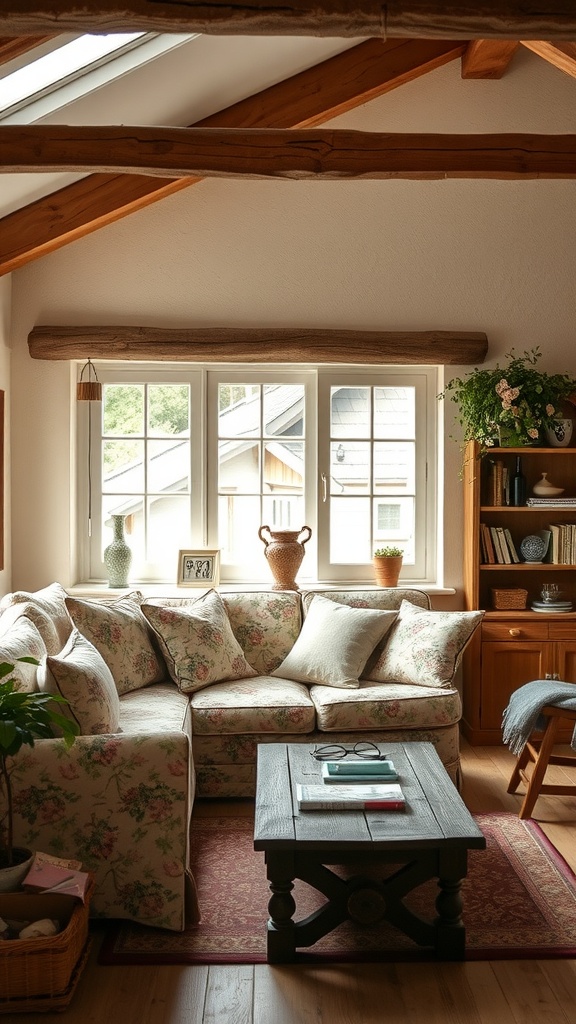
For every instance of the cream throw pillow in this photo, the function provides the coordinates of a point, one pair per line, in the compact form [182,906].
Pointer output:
[81,675]
[424,648]
[46,608]
[19,638]
[198,643]
[335,643]
[120,632]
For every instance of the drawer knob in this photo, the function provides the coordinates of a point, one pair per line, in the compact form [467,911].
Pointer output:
[515,632]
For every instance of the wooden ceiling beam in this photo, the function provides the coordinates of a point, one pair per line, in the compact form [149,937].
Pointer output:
[258,345]
[466,19]
[11,47]
[315,154]
[561,55]
[488,58]
[306,99]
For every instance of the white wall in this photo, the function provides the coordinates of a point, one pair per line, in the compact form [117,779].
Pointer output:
[5,315]
[493,256]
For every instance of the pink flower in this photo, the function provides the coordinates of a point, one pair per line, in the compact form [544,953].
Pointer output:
[177,767]
[159,808]
[550,410]
[532,432]
[69,771]
[151,906]
[51,810]
[172,868]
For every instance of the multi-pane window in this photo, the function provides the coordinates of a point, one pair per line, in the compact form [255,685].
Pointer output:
[261,464]
[202,457]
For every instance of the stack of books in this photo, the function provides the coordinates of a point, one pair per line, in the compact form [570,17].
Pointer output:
[345,788]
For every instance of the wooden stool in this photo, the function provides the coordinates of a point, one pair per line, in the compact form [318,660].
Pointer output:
[539,753]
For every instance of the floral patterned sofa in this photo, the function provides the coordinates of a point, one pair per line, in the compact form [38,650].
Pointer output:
[172,697]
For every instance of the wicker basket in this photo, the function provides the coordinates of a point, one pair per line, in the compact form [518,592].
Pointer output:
[509,600]
[41,974]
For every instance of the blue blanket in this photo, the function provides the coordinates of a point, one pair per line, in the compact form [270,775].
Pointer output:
[523,713]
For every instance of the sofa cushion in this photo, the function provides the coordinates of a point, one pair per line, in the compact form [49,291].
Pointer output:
[424,648]
[385,706]
[80,675]
[121,634]
[386,598]
[197,642]
[46,608]
[159,708]
[334,643]
[260,705]
[19,638]
[266,625]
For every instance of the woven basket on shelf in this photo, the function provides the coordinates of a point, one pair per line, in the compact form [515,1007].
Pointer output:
[509,600]
[41,974]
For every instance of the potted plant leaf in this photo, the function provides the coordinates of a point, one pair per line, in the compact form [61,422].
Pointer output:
[509,405]
[387,562]
[24,717]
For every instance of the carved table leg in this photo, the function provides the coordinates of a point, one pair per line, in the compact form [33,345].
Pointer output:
[450,931]
[281,937]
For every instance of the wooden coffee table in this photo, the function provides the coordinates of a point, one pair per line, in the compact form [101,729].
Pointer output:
[430,839]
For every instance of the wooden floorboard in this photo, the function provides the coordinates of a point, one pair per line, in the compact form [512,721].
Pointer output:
[499,992]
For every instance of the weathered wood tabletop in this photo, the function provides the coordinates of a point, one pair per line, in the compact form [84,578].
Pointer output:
[430,839]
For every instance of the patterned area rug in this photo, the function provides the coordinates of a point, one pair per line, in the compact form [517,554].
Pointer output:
[519,902]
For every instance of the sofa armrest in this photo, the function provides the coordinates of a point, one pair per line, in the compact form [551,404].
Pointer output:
[121,804]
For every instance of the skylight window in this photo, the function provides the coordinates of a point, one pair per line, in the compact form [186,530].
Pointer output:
[61,65]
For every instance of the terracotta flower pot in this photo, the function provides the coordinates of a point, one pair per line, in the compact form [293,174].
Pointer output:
[387,569]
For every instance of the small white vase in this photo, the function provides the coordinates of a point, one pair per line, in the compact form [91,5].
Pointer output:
[560,435]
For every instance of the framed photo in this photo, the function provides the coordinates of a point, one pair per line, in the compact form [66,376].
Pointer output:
[198,568]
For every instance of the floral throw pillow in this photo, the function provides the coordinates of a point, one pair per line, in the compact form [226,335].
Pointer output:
[198,643]
[81,675]
[334,643]
[120,632]
[424,648]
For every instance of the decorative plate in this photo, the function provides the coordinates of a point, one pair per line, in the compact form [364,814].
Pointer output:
[533,548]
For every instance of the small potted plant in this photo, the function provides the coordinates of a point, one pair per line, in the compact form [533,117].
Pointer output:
[509,405]
[24,717]
[387,563]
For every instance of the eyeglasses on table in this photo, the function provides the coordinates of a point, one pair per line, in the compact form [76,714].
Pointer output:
[366,750]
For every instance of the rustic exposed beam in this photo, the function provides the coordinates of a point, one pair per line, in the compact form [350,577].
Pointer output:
[258,345]
[14,47]
[302,154]
[488,58]
[466,19]
[561,55]
[308,98]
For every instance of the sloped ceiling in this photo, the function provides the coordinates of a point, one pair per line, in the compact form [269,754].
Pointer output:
[331,76]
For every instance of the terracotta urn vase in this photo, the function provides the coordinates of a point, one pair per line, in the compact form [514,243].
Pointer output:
[387,569]
[284,550]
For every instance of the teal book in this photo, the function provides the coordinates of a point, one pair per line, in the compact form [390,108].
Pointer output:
[363,773]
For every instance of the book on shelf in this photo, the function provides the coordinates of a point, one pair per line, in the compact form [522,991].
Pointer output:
[555,543]
[485,531]
[496,542]
[388,797]
[358,771]
[511,545]
[496,483]
[504,545]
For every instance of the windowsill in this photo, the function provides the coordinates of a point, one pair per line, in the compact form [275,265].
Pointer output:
[172,590]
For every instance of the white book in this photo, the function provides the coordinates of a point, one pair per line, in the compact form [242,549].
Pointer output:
[385,797]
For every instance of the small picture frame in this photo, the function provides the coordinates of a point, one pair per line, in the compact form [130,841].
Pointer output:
[200,568]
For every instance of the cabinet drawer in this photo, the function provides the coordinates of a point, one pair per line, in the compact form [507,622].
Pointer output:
[515,630]
[562,630]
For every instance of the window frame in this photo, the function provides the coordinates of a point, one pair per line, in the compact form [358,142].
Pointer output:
[318,379]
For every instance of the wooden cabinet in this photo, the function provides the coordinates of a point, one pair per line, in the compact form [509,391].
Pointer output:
[513,646]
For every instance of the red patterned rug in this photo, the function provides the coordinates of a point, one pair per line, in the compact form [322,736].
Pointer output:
[519,902]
